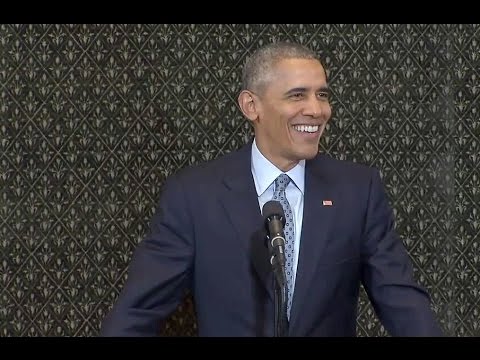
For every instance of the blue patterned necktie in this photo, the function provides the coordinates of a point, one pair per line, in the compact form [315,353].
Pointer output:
[279,195]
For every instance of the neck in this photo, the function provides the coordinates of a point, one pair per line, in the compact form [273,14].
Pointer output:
[281,163]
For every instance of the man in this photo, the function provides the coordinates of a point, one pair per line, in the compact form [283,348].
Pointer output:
[207,233]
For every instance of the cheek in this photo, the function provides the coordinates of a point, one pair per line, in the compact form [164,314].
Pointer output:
[278,119]
[327,111]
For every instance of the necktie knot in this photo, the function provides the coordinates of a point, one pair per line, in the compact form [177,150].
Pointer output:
[281,182]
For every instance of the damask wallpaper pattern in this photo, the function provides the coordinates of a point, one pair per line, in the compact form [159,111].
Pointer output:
[93,118]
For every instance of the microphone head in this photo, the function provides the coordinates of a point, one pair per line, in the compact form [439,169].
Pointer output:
[273,208]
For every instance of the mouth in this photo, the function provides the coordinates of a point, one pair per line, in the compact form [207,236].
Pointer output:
[309,129]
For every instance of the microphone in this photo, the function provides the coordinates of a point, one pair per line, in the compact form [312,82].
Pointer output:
[274,219]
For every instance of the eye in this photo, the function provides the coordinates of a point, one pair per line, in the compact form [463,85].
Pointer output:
[322,95]
[296,96]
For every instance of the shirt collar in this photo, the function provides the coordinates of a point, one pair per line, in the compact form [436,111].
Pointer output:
[264,172]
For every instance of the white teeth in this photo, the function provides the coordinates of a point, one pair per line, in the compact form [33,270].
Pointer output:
[306,128]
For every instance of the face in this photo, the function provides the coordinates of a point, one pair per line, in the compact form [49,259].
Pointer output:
[290,113]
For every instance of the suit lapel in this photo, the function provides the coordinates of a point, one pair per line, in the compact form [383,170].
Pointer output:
[317,218]
[240,201]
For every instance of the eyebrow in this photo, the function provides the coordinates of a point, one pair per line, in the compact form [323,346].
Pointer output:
[304,89]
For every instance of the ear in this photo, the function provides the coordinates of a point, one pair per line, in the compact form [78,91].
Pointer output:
[248,104]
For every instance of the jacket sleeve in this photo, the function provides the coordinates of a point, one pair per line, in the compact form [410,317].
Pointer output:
[402,305]
[160,269]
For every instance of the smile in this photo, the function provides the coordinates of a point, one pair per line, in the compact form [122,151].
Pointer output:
[306,128]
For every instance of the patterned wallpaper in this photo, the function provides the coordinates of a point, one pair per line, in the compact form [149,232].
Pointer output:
[93,118]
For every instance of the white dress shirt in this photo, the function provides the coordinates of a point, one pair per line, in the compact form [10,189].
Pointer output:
[264,174]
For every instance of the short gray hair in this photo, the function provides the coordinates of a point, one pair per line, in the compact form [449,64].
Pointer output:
[258,66]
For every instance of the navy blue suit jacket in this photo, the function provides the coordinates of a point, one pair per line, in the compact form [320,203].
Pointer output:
[207,235]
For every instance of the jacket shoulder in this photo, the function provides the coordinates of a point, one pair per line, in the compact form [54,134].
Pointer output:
[210,171]
[345,168]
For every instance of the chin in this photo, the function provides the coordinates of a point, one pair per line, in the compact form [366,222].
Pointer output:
[309,153]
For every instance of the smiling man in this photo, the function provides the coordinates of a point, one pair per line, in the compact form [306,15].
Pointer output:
[208,234]
[286,99]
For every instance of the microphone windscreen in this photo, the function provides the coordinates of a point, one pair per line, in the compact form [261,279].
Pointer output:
[272,207]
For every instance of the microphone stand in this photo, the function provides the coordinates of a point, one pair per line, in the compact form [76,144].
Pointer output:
[280,285]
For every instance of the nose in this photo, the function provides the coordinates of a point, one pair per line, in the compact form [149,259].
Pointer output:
[314,107]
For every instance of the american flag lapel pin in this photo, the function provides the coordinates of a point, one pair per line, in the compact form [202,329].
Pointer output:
[327,202]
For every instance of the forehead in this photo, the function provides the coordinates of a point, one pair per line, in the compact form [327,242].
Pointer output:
[306,73]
